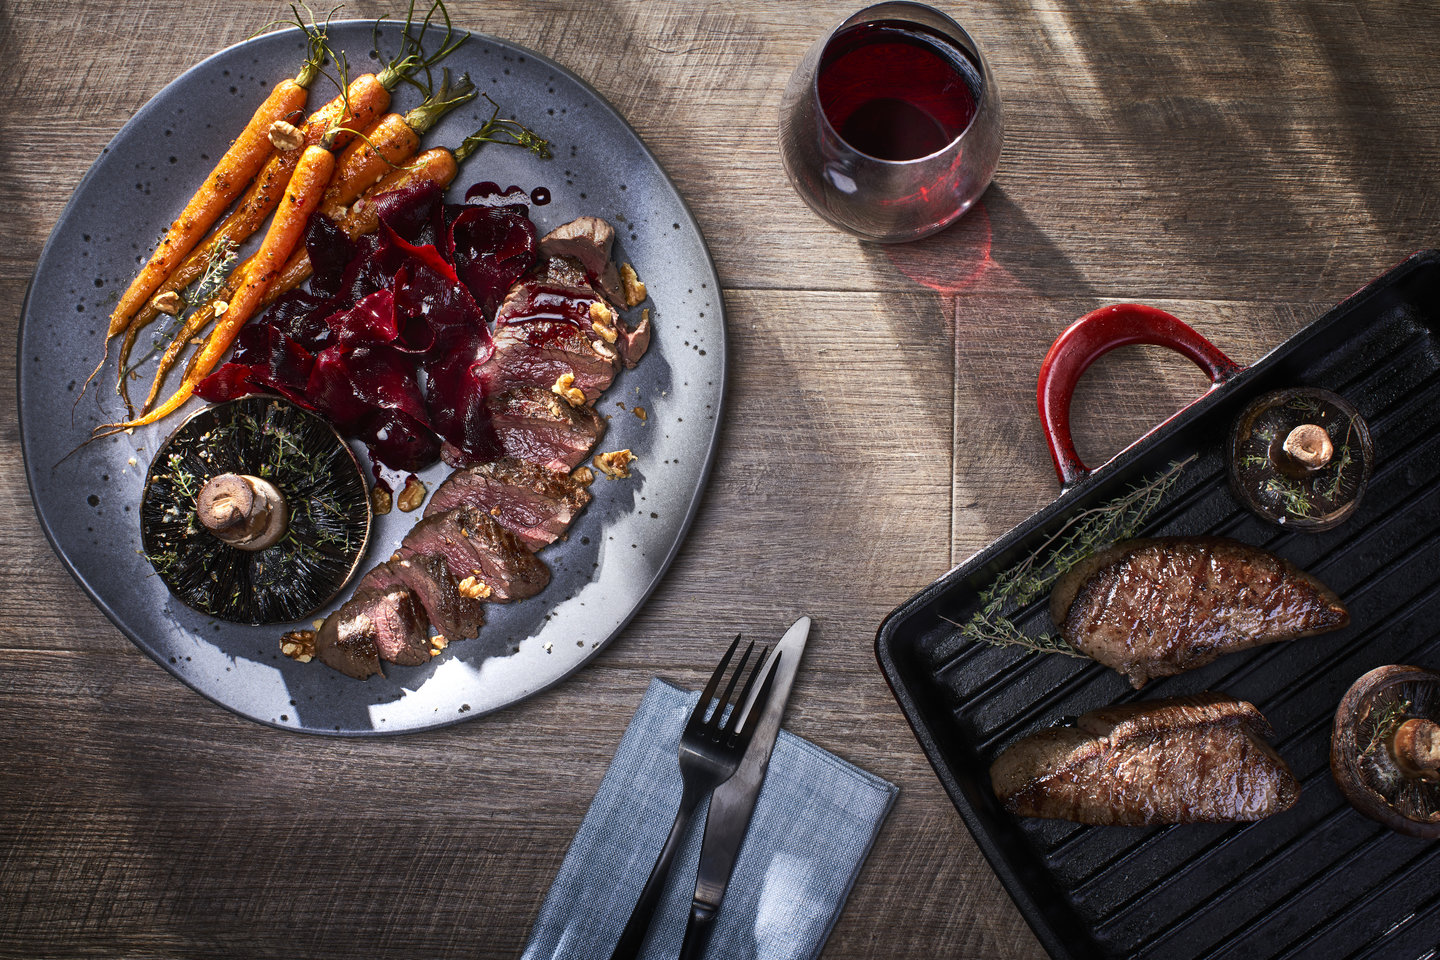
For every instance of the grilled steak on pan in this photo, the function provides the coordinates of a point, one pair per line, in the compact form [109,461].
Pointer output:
[1199,759]
[1152,608]
[535,504]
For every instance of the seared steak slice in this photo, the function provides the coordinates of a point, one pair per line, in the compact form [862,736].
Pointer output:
[565,271]
[1199,759]
[538,353]
[1152,608]
[477,548]
[454,616]
[634,342]
[373,624]
[535,504]
[536,426]
[588,240]
[531,300]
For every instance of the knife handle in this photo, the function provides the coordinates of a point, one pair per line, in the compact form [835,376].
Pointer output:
[697,931]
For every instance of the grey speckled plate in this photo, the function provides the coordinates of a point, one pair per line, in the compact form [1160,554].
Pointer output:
[616,551]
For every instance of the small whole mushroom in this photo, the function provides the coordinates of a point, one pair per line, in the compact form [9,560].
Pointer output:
[1385,748]
[1301,458]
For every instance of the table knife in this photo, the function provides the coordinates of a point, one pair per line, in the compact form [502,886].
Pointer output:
[734,801]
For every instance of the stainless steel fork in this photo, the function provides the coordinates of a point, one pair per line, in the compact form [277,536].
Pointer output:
[711,748]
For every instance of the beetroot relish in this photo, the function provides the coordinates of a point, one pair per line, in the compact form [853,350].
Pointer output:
[389,341]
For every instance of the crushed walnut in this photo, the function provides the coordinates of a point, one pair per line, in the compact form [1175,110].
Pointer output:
[298,645]
[380,500]
[168,302]
[639,411]
[474,588]
[413,495]
[615,464]
[583,476]
[437,644]
[634,287]
[565,387]
[285,136]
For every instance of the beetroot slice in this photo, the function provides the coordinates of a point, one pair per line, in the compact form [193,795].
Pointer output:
[407,304]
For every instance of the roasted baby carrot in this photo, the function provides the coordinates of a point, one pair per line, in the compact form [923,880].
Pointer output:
[231,175]
[307,186]
[388,142]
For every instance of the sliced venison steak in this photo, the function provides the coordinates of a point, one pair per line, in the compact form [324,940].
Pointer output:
[428,577]
[369,626]
[538,353]
[1152,608]
[588,240]
[535,504]
[536,426]
[1201,759]
[475,545]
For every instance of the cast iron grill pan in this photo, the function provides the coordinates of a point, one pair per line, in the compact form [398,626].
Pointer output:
[1319,881]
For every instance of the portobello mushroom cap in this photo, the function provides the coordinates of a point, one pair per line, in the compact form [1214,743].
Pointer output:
[1385,748]
[255,511]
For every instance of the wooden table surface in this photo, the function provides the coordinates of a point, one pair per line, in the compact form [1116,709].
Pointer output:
[1243,165]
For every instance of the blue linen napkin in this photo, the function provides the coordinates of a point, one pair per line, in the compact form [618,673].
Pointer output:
[813,826]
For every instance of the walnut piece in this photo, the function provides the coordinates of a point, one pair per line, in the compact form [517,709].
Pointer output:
[474,588]
[298,645]
[412,496]
[437,644]
[634,287]
[168,302]
[639,411]
[565,387]
[615,464]
[608,333]
[285,136]
[583,476]
[380,500]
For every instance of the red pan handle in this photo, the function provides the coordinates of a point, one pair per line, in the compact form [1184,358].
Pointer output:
[1090,338]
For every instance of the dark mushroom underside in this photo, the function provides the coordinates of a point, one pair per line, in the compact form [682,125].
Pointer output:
[1363,749]
[307,462]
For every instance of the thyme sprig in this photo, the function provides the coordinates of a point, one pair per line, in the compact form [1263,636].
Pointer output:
[1386,726]
[222,257]
[1079,537]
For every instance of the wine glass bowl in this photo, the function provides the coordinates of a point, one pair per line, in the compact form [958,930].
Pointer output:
[891,126]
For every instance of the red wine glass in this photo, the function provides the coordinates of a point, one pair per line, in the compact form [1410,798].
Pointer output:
[891,126]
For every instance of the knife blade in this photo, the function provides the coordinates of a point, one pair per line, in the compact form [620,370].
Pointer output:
[733,802]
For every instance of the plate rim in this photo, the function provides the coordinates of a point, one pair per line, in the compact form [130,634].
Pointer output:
[692,507]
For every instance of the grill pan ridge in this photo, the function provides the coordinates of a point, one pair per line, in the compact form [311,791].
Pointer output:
[1318,881]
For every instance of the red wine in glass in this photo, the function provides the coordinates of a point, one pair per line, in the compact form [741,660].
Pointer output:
[895,90]
[891,126]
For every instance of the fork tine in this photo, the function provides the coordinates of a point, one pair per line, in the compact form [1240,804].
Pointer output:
[752,719]
[717,718]
[698,716]
[742,722]
[738,713]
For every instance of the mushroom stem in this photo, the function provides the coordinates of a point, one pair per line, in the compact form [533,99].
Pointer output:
[1309,446]
[244,511]
[1416,749]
